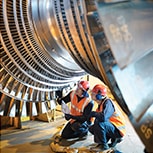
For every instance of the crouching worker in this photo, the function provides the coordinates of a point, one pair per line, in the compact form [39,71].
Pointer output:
[109,123]
[81,107]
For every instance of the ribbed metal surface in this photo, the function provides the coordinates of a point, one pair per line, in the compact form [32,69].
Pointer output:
[47,46]
[25,64]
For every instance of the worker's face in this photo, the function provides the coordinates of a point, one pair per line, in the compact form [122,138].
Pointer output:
[93,96]
[79,92]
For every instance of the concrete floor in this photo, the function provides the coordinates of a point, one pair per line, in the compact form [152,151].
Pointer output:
[36,137]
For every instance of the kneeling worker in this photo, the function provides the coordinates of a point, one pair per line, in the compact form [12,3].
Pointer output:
[109,122]
[81,107]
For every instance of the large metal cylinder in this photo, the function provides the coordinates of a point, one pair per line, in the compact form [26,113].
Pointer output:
[48,45]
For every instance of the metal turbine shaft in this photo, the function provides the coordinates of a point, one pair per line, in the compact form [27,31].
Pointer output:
[48,45]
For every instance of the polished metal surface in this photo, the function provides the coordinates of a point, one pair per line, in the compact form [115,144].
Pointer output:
[129,24]
[47,46]
[27,65]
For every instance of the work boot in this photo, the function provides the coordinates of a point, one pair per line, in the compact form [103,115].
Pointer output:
[114,142]
[100,147]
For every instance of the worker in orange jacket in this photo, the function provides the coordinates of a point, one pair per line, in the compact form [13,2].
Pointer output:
[81,106]
[109,122]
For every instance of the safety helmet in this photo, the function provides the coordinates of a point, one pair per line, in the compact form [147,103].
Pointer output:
[84,85]
[100,90]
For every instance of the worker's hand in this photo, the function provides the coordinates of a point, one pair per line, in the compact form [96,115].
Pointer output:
[68,116]
[89,123]
[93,114]
[58,100]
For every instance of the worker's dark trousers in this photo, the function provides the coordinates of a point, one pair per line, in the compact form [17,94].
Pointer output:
[103,131]
[74,130]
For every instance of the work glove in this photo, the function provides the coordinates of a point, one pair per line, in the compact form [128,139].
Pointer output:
[58,100]
[89,123]
[93,114]
[68,116]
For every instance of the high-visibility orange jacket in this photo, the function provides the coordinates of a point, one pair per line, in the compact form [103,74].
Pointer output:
[117,119]
[78,108]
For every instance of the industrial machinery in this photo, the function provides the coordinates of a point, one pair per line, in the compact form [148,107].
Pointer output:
[48,45]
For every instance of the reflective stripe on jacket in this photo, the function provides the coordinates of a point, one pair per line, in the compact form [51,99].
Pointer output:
[77,108]
[117,119]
